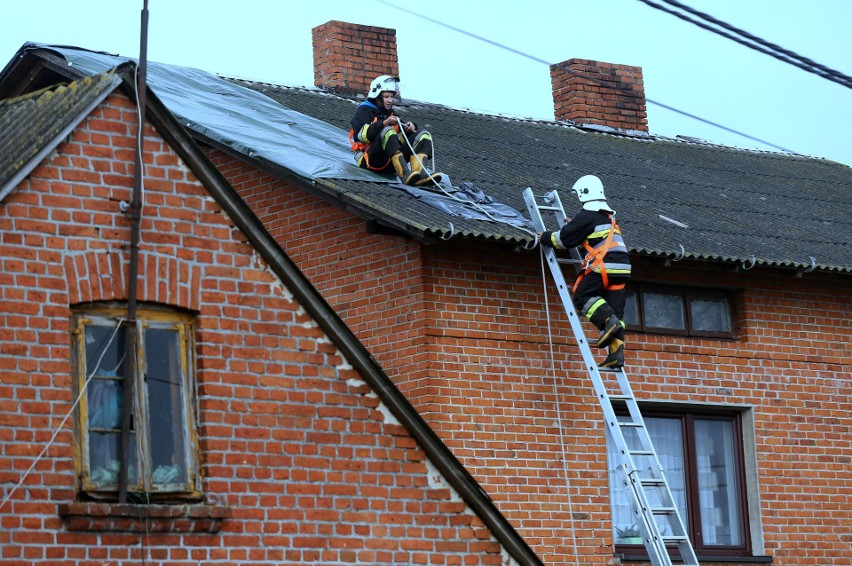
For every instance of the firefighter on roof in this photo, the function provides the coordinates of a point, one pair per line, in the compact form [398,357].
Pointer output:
[383,142]
[599,292]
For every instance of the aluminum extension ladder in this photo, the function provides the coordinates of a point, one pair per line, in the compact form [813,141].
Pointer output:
[653,507]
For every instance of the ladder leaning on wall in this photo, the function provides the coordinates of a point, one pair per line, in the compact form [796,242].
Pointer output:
[651,501]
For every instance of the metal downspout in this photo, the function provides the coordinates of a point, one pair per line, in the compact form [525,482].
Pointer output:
[135,212]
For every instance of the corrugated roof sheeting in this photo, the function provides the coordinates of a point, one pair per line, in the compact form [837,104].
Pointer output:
[740,206]
[32,125]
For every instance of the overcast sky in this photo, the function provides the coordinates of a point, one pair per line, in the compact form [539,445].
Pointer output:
[685,67]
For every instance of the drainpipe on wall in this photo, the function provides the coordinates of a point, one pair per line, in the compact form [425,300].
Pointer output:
[135,212]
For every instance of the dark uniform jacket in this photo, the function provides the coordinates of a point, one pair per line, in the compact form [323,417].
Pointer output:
[593,226]
[367,122]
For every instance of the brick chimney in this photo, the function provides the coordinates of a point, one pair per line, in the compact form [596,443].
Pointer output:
[597,93]
[347,57]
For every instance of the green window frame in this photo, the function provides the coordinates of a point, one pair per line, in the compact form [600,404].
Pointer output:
[164,459]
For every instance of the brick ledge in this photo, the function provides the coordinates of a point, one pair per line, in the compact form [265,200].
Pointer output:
[156,518]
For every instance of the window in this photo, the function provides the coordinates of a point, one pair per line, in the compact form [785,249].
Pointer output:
[164,455]
[702,454]
[669,309]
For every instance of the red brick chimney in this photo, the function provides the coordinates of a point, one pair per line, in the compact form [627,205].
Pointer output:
[347,57]
[597,93]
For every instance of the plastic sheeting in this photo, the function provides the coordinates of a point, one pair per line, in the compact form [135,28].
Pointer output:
[247,121]
[257,126]
[470,202]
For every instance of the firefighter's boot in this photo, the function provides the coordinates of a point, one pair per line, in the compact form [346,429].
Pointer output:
[613,328]
[422,175]
[615,359]
[401,169]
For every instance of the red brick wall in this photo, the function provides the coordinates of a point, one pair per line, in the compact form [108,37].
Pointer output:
[375,282]
[296,451]
[484,376]
[594,92]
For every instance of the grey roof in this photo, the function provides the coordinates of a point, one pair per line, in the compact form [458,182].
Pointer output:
[675,198]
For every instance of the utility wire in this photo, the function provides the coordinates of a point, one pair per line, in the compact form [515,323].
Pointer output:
[768,48]
[580,75]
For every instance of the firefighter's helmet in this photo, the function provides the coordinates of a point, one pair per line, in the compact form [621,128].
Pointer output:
[590,191]
[384,83]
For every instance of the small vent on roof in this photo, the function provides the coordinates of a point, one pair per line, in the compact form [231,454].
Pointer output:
[691,139]
[673,221]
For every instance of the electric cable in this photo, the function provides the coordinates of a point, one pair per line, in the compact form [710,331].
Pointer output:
[65,418]
[593,79]
[558,405]
[770,49]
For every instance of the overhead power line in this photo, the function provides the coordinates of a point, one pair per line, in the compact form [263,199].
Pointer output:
[580,75]
[753,42]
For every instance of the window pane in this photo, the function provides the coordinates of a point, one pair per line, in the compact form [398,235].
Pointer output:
[663,311]
[631,309]
[667,436]
[105,346]
[709,315]
[718,490]
[104,458]
[165,388]
[104,351]
[105,399]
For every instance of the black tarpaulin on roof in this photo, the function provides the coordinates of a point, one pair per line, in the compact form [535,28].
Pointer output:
[259,127]
[239,118]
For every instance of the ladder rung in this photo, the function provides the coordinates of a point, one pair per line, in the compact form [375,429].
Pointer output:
[651,482]
[545,207]
[663,510]
[641,452]
[629,424]
[566,260]
[669,539]
[620,397]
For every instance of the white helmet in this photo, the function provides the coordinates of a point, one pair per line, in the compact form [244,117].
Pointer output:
[590,191]
[382,84]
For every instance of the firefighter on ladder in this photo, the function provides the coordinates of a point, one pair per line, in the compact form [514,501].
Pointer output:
[598,291]
[382,142]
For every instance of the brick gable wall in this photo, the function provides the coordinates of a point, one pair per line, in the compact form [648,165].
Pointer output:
[526,423]
[300,461]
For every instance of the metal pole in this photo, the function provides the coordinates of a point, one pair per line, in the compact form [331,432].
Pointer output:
[135,212]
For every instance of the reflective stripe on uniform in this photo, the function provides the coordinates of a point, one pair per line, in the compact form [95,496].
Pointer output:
[614,268]
[592,305]
[387,133]
[557,243]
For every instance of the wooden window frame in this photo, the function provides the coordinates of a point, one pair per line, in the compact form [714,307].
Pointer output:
[687,294]
[145,490]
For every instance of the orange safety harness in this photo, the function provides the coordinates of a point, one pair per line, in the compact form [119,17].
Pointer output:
[358,145]
[595,258]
